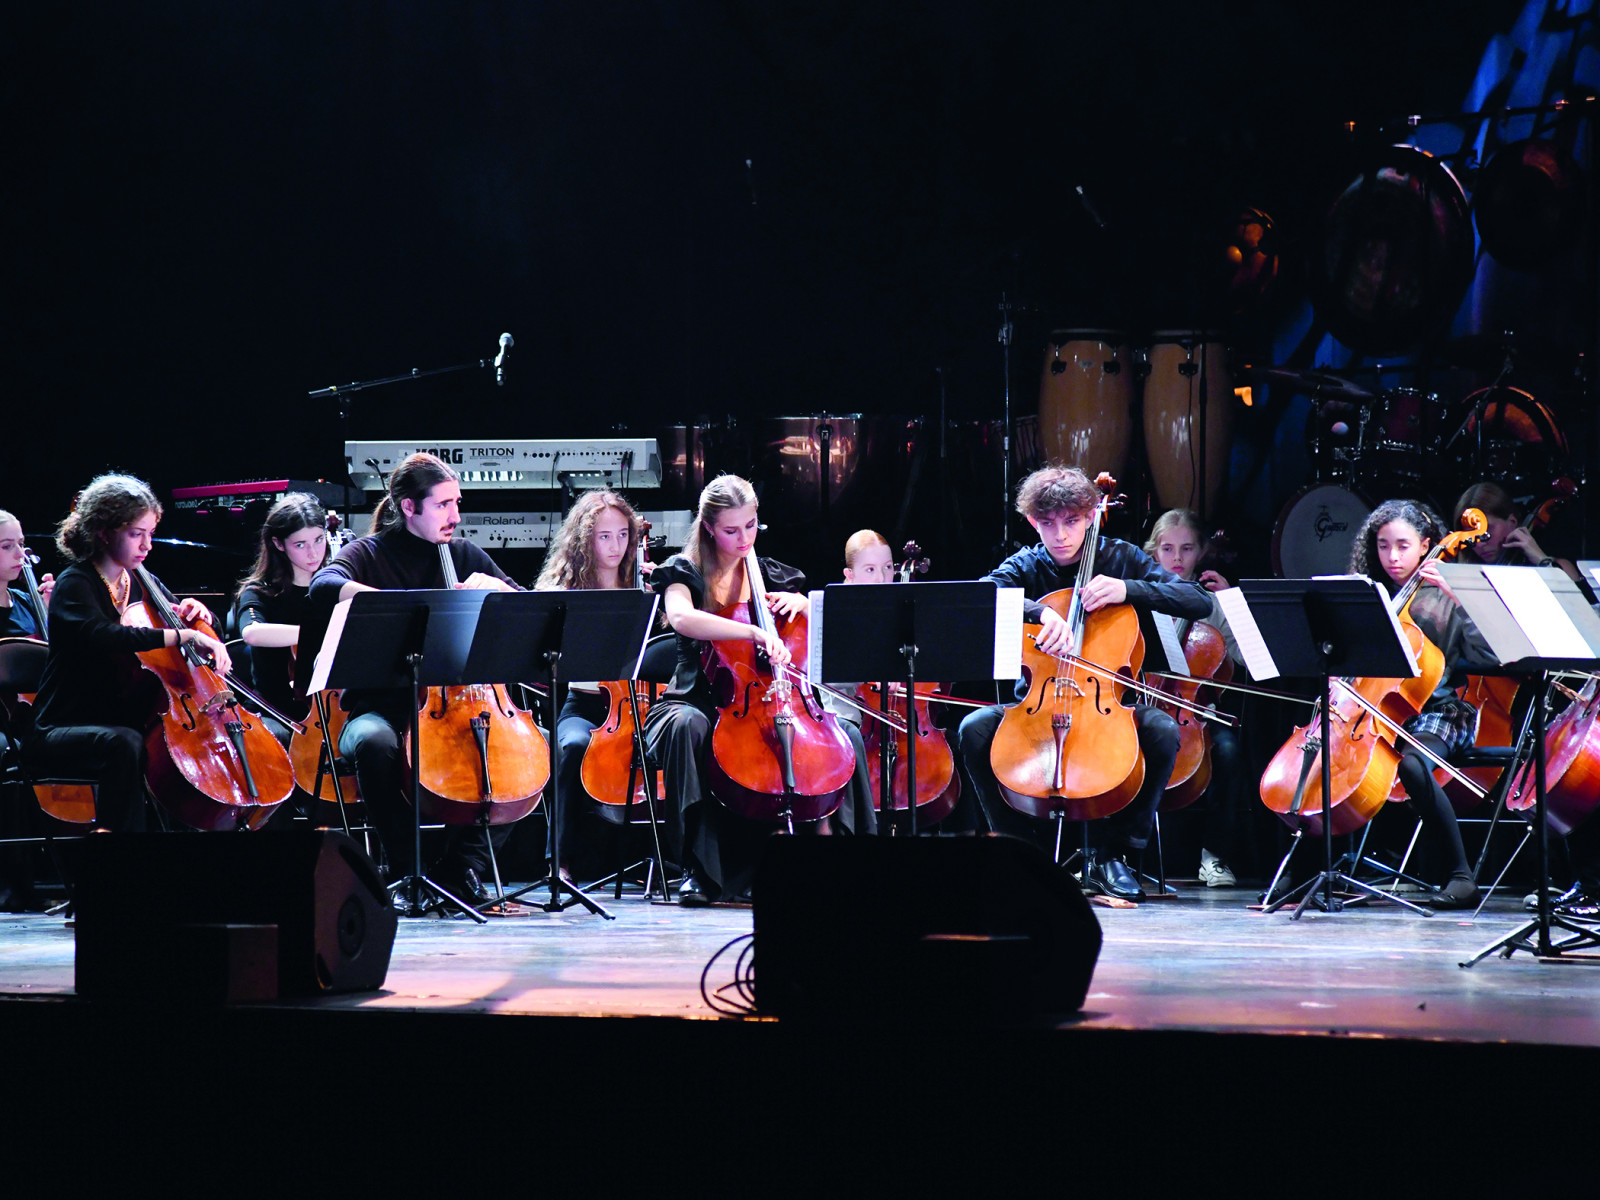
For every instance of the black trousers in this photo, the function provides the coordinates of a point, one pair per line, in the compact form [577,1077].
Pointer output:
[704,836]
[1124,830]
[111,755]
[371,742]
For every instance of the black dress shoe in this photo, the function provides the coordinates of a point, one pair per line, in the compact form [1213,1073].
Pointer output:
[692,891]
[1110,876]
[465,884]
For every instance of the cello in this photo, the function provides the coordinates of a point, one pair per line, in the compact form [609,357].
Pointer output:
[938,783]
[484,760]
[209,761]
[1572,766]
[610,765]
[1070,749]
[1364,759]
[1206,654]
[776,753]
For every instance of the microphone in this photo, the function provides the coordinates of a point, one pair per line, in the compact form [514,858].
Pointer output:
[506,342]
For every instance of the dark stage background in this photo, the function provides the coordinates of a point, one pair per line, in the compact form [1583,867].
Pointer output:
[214,208]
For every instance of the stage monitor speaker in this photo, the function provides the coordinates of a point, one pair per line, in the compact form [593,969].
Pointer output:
[143,904]
[979,928]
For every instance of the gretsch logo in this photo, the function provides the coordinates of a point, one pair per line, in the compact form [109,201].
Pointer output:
[1326,526]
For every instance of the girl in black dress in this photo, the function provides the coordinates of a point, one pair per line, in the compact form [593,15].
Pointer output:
[272,598]
[90,715]
[717,850]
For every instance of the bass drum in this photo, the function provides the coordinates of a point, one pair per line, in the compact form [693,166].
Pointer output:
[1522,448]
[1085,398]
[1172,400]
[1316,530]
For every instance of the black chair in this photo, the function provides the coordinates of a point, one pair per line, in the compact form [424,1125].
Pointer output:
[21,667]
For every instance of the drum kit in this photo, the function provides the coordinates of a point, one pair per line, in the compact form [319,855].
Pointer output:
[1404,443]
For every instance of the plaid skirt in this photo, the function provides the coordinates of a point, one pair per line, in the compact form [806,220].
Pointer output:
[1452,720]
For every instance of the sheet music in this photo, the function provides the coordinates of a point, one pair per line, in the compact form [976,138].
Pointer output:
[1008,633]
[814,632]
[1535,608]
[1594,577]
[1167,629]
[1247,635]
[330,647]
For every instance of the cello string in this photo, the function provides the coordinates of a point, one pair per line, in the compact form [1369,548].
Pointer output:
[1396,728]
[1198,710]
[1266,693]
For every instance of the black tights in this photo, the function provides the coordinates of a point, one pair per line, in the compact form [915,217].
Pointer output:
[1432,806]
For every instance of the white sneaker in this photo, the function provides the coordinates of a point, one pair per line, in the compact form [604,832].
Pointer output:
[1214,872]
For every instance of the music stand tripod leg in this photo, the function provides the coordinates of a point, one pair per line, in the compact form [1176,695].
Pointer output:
[417,884]
[552,880]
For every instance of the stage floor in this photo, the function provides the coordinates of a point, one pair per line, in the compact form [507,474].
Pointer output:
[1199,962]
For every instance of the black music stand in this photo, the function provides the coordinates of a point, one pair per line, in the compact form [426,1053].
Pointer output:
[582,634]
[1317,629]
[940,630]
[1520,657]
[394,640]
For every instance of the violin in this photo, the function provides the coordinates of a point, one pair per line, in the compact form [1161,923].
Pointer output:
[1572,766]
[1070,748]
[1364,758]
[483,758]
[209,761]
[1206,654]
[938,782]
[776,753]
[611,773]
[69,802]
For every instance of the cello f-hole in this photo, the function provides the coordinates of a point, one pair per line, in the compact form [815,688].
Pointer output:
[189,719]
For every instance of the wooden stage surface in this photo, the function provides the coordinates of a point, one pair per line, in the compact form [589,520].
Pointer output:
[1199,962]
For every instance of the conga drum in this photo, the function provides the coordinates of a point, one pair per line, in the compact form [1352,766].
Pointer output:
[1086,400]
[1172,401]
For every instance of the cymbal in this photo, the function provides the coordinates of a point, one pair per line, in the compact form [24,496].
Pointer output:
[1493,351]
[1318,385]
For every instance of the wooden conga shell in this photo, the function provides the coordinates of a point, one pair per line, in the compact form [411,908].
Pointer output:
[1172,418]
[1086,400]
